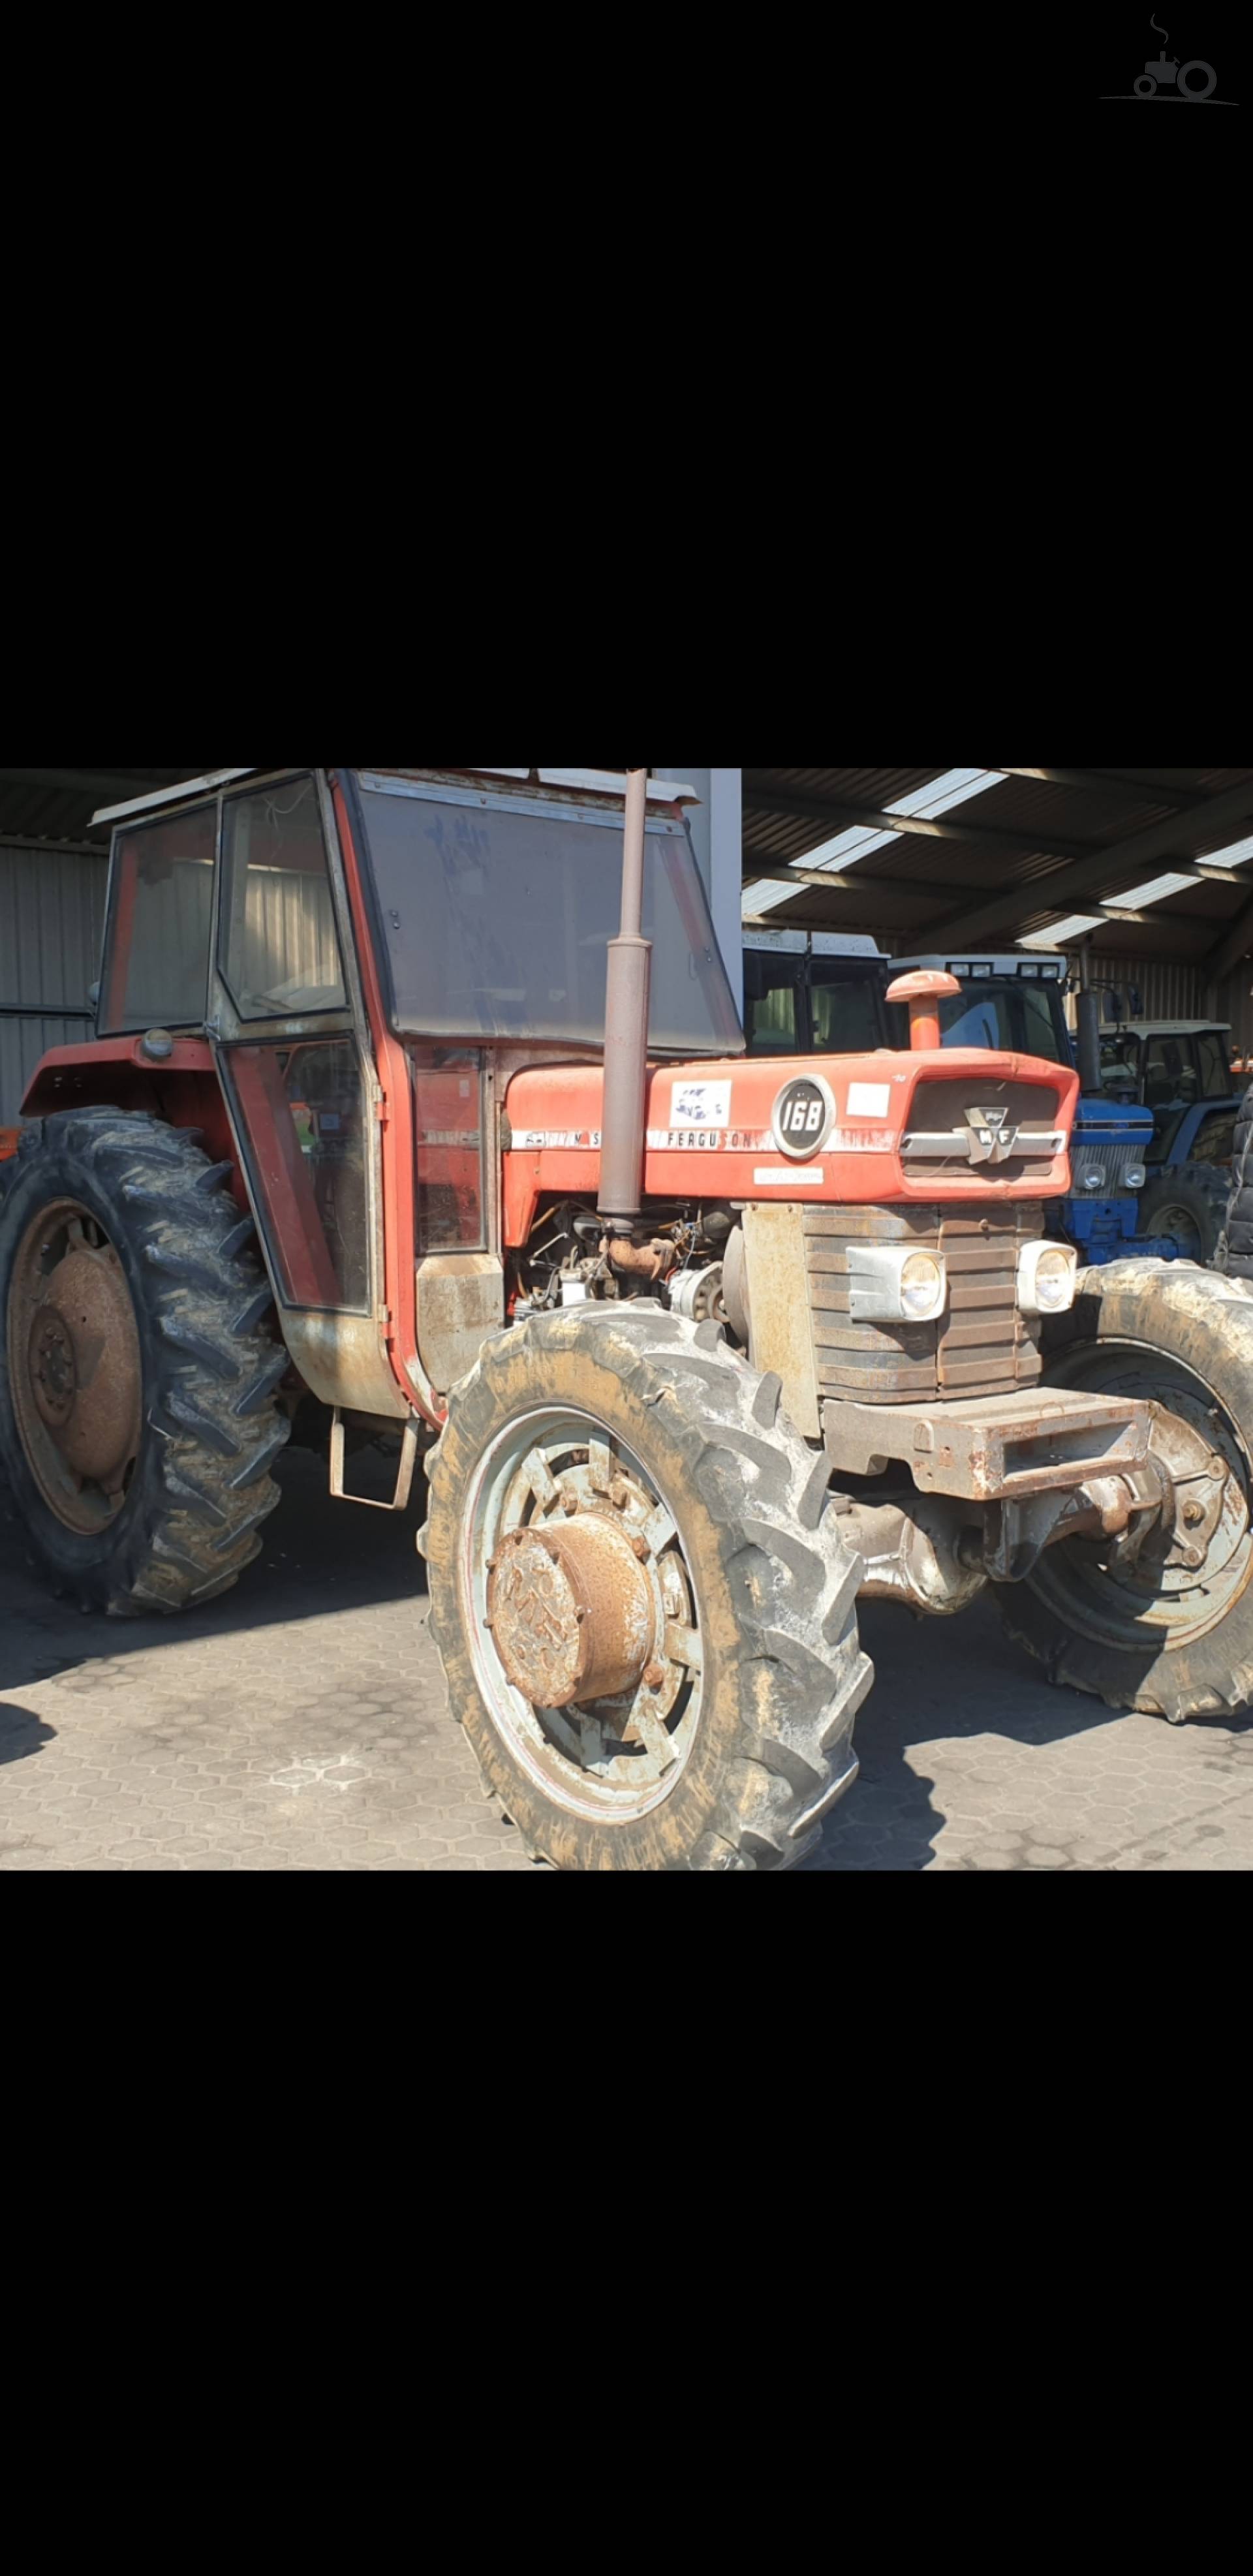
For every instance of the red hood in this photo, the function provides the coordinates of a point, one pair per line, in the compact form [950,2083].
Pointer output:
[711,1129]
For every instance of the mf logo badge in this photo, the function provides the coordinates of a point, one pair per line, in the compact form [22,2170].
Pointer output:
[803,1114]
[992,1140]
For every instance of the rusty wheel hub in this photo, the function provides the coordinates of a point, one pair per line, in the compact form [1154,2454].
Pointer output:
[1192,1564]
[583,1616]
[75,1366]
[571,1612]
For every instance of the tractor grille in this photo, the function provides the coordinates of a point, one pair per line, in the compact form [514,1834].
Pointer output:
[939,1138]
[981,1345]
[1109,1161]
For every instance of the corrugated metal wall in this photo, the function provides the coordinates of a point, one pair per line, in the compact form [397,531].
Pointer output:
[51,923]
[1170,991]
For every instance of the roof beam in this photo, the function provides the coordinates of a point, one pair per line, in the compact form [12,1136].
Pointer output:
[1107,782]
[1235,945]
[838,884]
[835,810]
[1101,872]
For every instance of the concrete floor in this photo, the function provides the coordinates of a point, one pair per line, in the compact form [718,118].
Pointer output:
[301,1723]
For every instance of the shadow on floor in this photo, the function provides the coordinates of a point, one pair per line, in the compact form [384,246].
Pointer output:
[318,1556]
[22,1732]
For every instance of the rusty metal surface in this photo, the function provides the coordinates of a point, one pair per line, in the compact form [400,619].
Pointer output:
[993,1447]
[571,1612]
[782,1332]
[75,1367]
[566,1523]
[461,1302]
[342,1360]
[639,1260]
[911,1552]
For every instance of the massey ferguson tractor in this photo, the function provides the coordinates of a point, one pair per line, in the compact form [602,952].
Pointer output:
[696,1347]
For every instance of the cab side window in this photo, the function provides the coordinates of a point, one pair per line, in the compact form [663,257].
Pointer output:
[1216,1080]
[771,991]
[280,950]
[160,916]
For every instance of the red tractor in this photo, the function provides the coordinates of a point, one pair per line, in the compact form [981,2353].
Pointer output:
[695,1347]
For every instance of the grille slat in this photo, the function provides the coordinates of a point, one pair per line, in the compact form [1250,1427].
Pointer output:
[980,1345]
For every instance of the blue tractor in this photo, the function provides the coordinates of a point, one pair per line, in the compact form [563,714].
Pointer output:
[1179,1071]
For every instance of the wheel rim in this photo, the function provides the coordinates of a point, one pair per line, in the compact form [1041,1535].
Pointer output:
[1182,1224]
[1186,1578]
[75,1368]
[574,1578]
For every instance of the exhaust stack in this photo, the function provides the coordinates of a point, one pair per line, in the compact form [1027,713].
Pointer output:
[626,1032]
[1088,1026]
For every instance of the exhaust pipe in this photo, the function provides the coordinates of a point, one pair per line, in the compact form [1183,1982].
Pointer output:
[1088,1029]
[627,983]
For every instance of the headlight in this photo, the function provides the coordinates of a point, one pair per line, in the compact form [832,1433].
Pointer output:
[1047,1273]
[1094,1180]
[1134,1177]
[922,1286]
[890,1286]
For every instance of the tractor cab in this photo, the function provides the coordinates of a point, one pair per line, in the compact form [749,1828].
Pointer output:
[334,973]
[1011,1002]
[813,993]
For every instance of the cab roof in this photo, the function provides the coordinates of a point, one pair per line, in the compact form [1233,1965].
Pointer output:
[1166,1028]
[592,782]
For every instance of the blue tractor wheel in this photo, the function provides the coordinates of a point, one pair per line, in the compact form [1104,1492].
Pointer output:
[1187,1204]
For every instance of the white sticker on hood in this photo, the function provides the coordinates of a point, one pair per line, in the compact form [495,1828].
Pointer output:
[700,1104]
[868,1099]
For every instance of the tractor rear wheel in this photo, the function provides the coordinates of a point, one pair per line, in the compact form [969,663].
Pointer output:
[1188,1205]
[645,1611]
[1169,1628]
[138,1424]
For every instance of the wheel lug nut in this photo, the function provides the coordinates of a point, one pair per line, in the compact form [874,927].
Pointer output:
[1193,1513]
[654,1676]
[639,1547]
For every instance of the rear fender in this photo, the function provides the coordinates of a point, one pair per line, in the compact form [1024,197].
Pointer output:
[115,1073]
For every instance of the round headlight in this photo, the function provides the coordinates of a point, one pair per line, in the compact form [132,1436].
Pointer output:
[1093,1180]
[1054,1273]
[1134,1177]
[922,1287]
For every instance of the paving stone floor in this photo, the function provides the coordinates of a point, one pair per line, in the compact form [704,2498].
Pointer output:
[301,1723]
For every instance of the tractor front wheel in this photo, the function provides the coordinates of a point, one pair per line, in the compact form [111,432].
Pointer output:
[1165,1626]
[138,1424]
[645,1611]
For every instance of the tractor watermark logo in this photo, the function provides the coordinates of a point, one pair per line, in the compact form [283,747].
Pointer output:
[1169,78]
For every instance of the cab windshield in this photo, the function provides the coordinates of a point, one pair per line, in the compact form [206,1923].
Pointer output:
[1019,1016]
[495,912]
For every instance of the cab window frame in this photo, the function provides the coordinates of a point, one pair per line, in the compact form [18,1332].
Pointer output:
[111,1023]
[250,793]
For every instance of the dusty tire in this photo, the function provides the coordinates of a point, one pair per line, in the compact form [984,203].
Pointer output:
[775,1590]
[1234,1254]
[1198,1192]
[1174,1642]
[208,1430]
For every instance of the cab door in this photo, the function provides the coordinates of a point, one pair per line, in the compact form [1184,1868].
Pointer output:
[298,1075]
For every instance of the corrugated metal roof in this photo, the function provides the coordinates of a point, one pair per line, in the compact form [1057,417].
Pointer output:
[1015,847]
[58,804]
